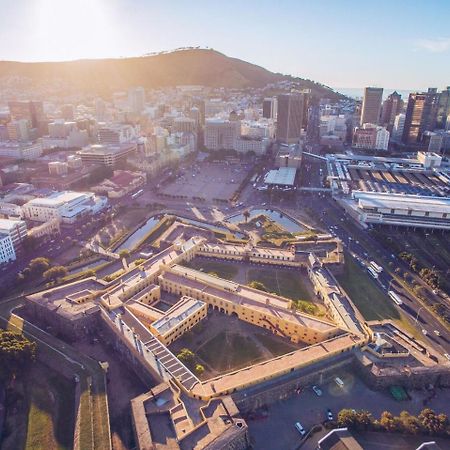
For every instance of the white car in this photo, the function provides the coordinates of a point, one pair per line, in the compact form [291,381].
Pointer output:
[300,429]
[424,332]
[329,414]
[437,333]
[317,390]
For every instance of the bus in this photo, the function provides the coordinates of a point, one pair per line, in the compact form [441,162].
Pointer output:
[396,299]
[376,267]
[137,194]
[372,272]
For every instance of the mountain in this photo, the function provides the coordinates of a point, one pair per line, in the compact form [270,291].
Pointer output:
[182,67]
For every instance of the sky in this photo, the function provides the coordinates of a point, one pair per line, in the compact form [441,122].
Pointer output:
[401,44]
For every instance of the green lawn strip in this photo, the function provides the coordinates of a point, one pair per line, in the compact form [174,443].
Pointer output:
[40,431]
[286,284]
[275,346]
[368,298]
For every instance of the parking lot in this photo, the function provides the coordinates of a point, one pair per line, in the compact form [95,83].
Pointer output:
[210,181]
[277,430]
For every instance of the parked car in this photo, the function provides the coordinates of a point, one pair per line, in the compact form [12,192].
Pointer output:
[300,429]
[317,390]
[329,414]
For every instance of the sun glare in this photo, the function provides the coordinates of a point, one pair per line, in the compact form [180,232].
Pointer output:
[70,29]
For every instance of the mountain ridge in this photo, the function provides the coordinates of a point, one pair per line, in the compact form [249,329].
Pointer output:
[194,66]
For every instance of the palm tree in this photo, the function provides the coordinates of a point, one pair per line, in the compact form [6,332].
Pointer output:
[246,215]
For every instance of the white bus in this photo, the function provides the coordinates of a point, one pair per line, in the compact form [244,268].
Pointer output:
[137,194]
[376,267]
[372,272]
[395,298]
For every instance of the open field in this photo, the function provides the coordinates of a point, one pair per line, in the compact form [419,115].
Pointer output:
[289,284]
[222,269]
[208,181]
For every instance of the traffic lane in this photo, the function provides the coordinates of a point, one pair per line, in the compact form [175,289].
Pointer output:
[277,431]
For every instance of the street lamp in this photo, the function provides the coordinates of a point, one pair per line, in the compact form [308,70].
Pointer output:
[417,316]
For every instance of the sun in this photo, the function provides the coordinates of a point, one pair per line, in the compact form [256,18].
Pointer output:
[72,29]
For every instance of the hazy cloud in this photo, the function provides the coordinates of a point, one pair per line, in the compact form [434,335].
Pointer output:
[436,45]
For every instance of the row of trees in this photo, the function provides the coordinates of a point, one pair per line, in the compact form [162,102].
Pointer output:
[16,354]
[426,422]
[430,276]
[41,268]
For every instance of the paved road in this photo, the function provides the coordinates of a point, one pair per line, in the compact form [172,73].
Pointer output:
[360,243]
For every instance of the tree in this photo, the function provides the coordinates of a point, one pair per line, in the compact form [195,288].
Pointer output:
[16,353]
[55,272]
[246,214]
[364,419]
[409,423]
[186,356]
[433,423]
[124,253]
[38,266]
[347,418]
[258,285]
[199,369]
[389,422]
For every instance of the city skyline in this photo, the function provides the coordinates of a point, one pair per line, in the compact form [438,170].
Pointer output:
[331,43]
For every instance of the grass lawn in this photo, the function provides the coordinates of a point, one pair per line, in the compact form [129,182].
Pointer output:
[286,284]
[51,410]
[229,351]
[228,271]
[275,345]
[373,303]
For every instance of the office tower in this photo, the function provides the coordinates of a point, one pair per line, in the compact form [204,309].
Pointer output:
[371,106]
[290,117]
[270,108]
[136,99]
[392,106]
[397,129]
[31,111]
[443,109]
[420,115]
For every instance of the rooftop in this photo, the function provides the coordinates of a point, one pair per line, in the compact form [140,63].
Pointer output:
[179,312]
[283,176]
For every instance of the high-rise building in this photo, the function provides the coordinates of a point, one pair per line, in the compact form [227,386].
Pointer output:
[290,117]
[371,106]
[31,111]
[136,99]
[270,108]
[397,129]
[392,106]
[443,109]
[221,134]
[421,114]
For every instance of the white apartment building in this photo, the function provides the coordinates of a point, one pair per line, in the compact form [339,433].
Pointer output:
[20,150]
[12,233]
[221,134]
[7,252]
[19,130]
[68,206]
[116,134]
[331,125]
[263,128]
